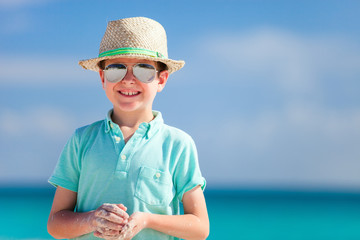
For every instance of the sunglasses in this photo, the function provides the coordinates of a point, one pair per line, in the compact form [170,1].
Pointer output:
[144,72]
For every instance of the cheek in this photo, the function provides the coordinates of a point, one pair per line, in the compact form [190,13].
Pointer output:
[108,88]
[155,87]
[148,88]
[108,85]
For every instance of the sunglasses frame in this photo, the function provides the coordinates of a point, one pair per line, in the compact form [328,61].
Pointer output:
[133,65]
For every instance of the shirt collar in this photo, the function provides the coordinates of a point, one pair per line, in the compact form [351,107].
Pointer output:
[152,127]
[155,124]
[108,121]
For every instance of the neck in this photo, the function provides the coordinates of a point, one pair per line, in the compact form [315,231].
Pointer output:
[129,122]
[131,119]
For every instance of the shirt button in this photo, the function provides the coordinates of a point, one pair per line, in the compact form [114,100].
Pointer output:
[111,125]
[123,157]
[158,175]
[117,139]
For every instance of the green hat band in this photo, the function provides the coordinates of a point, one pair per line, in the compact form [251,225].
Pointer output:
[121,51]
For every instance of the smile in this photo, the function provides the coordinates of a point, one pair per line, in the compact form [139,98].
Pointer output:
[129,93]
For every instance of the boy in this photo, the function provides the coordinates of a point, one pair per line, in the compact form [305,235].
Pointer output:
[124,177]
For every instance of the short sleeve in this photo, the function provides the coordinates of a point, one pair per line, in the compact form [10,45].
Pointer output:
[67,171]
[187,172]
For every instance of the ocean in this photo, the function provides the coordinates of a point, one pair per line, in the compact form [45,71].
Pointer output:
[234,214]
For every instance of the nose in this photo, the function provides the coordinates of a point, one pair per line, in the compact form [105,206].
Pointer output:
[129,77]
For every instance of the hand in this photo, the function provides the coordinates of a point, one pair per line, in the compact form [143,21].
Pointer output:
[108,220]
[137,222]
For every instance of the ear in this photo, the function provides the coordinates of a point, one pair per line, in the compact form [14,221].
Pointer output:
[163,77]
[101,73]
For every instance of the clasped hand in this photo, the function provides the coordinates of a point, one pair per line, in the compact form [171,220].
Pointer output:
[110,221]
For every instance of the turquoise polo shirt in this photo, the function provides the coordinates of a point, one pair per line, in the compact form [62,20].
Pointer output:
[150,173]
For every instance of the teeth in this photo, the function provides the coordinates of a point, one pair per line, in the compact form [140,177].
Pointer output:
[129,93]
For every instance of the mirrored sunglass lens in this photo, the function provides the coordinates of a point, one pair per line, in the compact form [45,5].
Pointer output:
[115,72]
[144,72]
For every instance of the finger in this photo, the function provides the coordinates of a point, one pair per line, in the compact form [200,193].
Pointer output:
[122,207]
[129,230]
[97,233]
[101,235]
[101,230]
[112,233]
[115,209]
[108,232]
[109,216]
[105,224]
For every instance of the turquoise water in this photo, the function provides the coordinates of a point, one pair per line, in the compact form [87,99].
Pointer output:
[251,215]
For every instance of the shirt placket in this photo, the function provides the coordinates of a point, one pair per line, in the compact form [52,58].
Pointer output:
[126,151]
[117,137]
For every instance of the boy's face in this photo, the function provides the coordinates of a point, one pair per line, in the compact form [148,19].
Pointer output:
[131,95]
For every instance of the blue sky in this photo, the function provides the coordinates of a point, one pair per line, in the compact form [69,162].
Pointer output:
[269,91]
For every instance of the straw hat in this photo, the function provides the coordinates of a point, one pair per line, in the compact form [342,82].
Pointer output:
[137,37]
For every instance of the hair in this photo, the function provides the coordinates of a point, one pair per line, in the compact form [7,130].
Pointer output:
[101,64]
[161,67]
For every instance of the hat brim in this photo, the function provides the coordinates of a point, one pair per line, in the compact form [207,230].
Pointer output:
[93,63]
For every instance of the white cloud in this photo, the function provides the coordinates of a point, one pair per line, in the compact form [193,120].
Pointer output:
[309,121]
[38,121]
[43,70]
[283,108]
[330,123]
[33,138]
[296,63]
[304,146]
